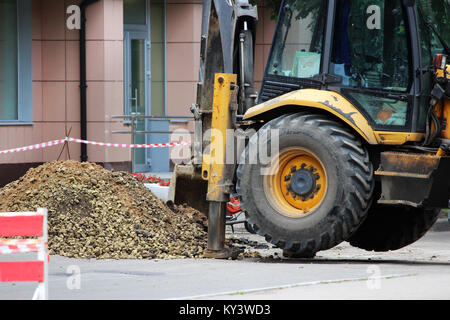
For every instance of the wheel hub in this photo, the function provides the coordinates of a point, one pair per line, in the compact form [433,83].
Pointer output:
[298,184]
[302,182]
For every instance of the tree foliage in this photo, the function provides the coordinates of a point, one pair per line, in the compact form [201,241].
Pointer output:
[303,7]
[274,7]
[437,12]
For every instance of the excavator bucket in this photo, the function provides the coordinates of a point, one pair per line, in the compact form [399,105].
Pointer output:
[188,187]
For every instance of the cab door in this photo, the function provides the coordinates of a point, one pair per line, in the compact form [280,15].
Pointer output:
[373,59]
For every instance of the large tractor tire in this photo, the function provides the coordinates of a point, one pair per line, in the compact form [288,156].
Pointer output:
[389,228]
[317,193]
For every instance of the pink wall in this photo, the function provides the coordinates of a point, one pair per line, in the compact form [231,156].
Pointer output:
[183,34]
[264,36]
[184,18]
[56,92]
[183,46]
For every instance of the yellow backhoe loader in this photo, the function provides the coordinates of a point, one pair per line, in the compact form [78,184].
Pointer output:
[347,139]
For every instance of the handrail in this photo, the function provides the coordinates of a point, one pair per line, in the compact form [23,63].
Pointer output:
[131,119]
[157,118]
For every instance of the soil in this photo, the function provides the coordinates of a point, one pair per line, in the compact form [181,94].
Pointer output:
[102,214]
[192,214]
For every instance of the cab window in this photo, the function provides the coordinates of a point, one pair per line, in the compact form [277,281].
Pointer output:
[371,56]
[297,48]
[437,13]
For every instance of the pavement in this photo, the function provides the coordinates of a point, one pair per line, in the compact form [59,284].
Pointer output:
[419,271]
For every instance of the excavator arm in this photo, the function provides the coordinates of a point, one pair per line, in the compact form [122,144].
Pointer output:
[227,46]
[225,90]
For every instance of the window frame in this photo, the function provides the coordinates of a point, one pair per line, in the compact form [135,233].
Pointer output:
[24,66]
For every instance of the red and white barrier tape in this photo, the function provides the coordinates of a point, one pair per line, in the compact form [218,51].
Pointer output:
[130,146]
[103,144]
[10,246]
[35,147]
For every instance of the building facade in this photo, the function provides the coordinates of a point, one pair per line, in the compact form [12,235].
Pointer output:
[142,57]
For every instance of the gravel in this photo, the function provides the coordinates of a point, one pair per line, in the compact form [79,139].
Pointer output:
[102,214]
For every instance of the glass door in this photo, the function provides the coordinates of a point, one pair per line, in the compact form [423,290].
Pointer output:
[144,77]
[137,90]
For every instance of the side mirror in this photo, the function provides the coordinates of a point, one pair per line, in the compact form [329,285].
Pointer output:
[409,3]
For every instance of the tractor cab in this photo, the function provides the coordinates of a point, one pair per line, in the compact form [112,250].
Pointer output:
[378,54]
[356,99]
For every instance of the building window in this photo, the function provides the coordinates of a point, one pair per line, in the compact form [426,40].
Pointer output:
[135,12]
[8,60]
[15,61]
[158,57]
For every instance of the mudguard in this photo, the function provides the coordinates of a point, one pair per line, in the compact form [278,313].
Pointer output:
[335,104]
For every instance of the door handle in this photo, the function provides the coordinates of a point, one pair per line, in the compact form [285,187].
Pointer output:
[134,100]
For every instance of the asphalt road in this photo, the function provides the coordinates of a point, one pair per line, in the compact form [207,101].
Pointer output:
[419,271]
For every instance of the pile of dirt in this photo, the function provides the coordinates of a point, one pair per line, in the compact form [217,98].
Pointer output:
[102,214]
[192,214]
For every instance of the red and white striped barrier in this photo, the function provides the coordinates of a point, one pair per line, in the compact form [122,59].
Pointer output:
[103,144]
[26,224]
[35,147]
[130,146]
[20,246]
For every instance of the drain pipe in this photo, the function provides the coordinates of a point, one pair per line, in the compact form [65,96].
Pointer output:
[83,81]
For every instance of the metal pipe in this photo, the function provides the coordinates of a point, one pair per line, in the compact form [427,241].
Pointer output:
[242,75]
[216,226]
[83,81]
[152,132]
[132,142]
[156,118]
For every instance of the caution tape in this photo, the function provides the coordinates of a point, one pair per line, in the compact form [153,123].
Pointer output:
[130,146]
[10,246]
[35,147]
[103,144]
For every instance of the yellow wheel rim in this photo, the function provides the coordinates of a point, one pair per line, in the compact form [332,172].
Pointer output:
[297,182]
